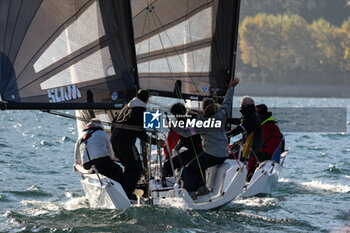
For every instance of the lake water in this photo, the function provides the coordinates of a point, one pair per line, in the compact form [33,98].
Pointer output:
[40,193]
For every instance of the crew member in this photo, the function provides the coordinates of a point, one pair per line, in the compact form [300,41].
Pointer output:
[192,143]
[272,138]
[214,143]
[93,147]
[249,123]
[123,139]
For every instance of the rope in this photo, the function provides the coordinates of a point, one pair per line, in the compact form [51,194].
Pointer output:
[177,91]
[115,125]
[177,52]
[234,156]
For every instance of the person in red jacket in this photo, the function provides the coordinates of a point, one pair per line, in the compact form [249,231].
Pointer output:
[172,140]
[272,138]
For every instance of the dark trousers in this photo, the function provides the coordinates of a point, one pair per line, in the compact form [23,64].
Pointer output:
[130,159]
[192,176]
[107,167]
[179,161]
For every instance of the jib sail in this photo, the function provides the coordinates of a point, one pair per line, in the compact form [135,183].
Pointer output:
[59,54]
[185,49]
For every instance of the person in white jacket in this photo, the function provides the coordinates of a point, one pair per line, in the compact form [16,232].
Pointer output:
[93,147]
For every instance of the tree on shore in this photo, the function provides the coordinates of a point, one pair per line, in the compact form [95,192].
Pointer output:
[284,43]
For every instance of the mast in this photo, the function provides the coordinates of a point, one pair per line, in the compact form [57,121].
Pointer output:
[235,36]
[234,51]
[136,73]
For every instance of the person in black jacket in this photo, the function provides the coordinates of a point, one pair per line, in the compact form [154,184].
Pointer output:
[249,123]
[123,139]
[192,143]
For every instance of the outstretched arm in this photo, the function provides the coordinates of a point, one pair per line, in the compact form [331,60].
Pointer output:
[227,104]
[235,131]
[234,121]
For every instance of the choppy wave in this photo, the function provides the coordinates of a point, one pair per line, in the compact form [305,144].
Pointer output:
[33,191]
[265,218]
[257,201]
[318,185]
[3,198]
[341,168]
[36,208]
[174,202]
[3,145]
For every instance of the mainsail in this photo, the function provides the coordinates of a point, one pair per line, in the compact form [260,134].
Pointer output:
[95,54]
[53,54]
[185,49]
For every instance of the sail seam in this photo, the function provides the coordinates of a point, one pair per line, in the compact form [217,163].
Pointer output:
[14,28]
[39,77]
[7,22]
[54,34]
[31,20]
[181,49]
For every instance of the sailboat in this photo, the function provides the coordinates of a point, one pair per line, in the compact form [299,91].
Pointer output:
[93,55]
[265,176]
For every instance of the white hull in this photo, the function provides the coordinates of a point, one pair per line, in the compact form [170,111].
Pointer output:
[224,186]
[265,178]
[225,183]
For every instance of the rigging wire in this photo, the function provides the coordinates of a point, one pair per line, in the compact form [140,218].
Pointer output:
[149,10]
[115,125]
[279,58]
[177,90]
[142,34]
[178,93]
[176,51]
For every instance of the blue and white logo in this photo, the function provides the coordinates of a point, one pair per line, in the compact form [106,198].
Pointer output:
[152,120]
[114,96]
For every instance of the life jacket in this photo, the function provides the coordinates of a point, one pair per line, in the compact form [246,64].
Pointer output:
[172,139]
[89,131]
[272,136]
[247,145]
